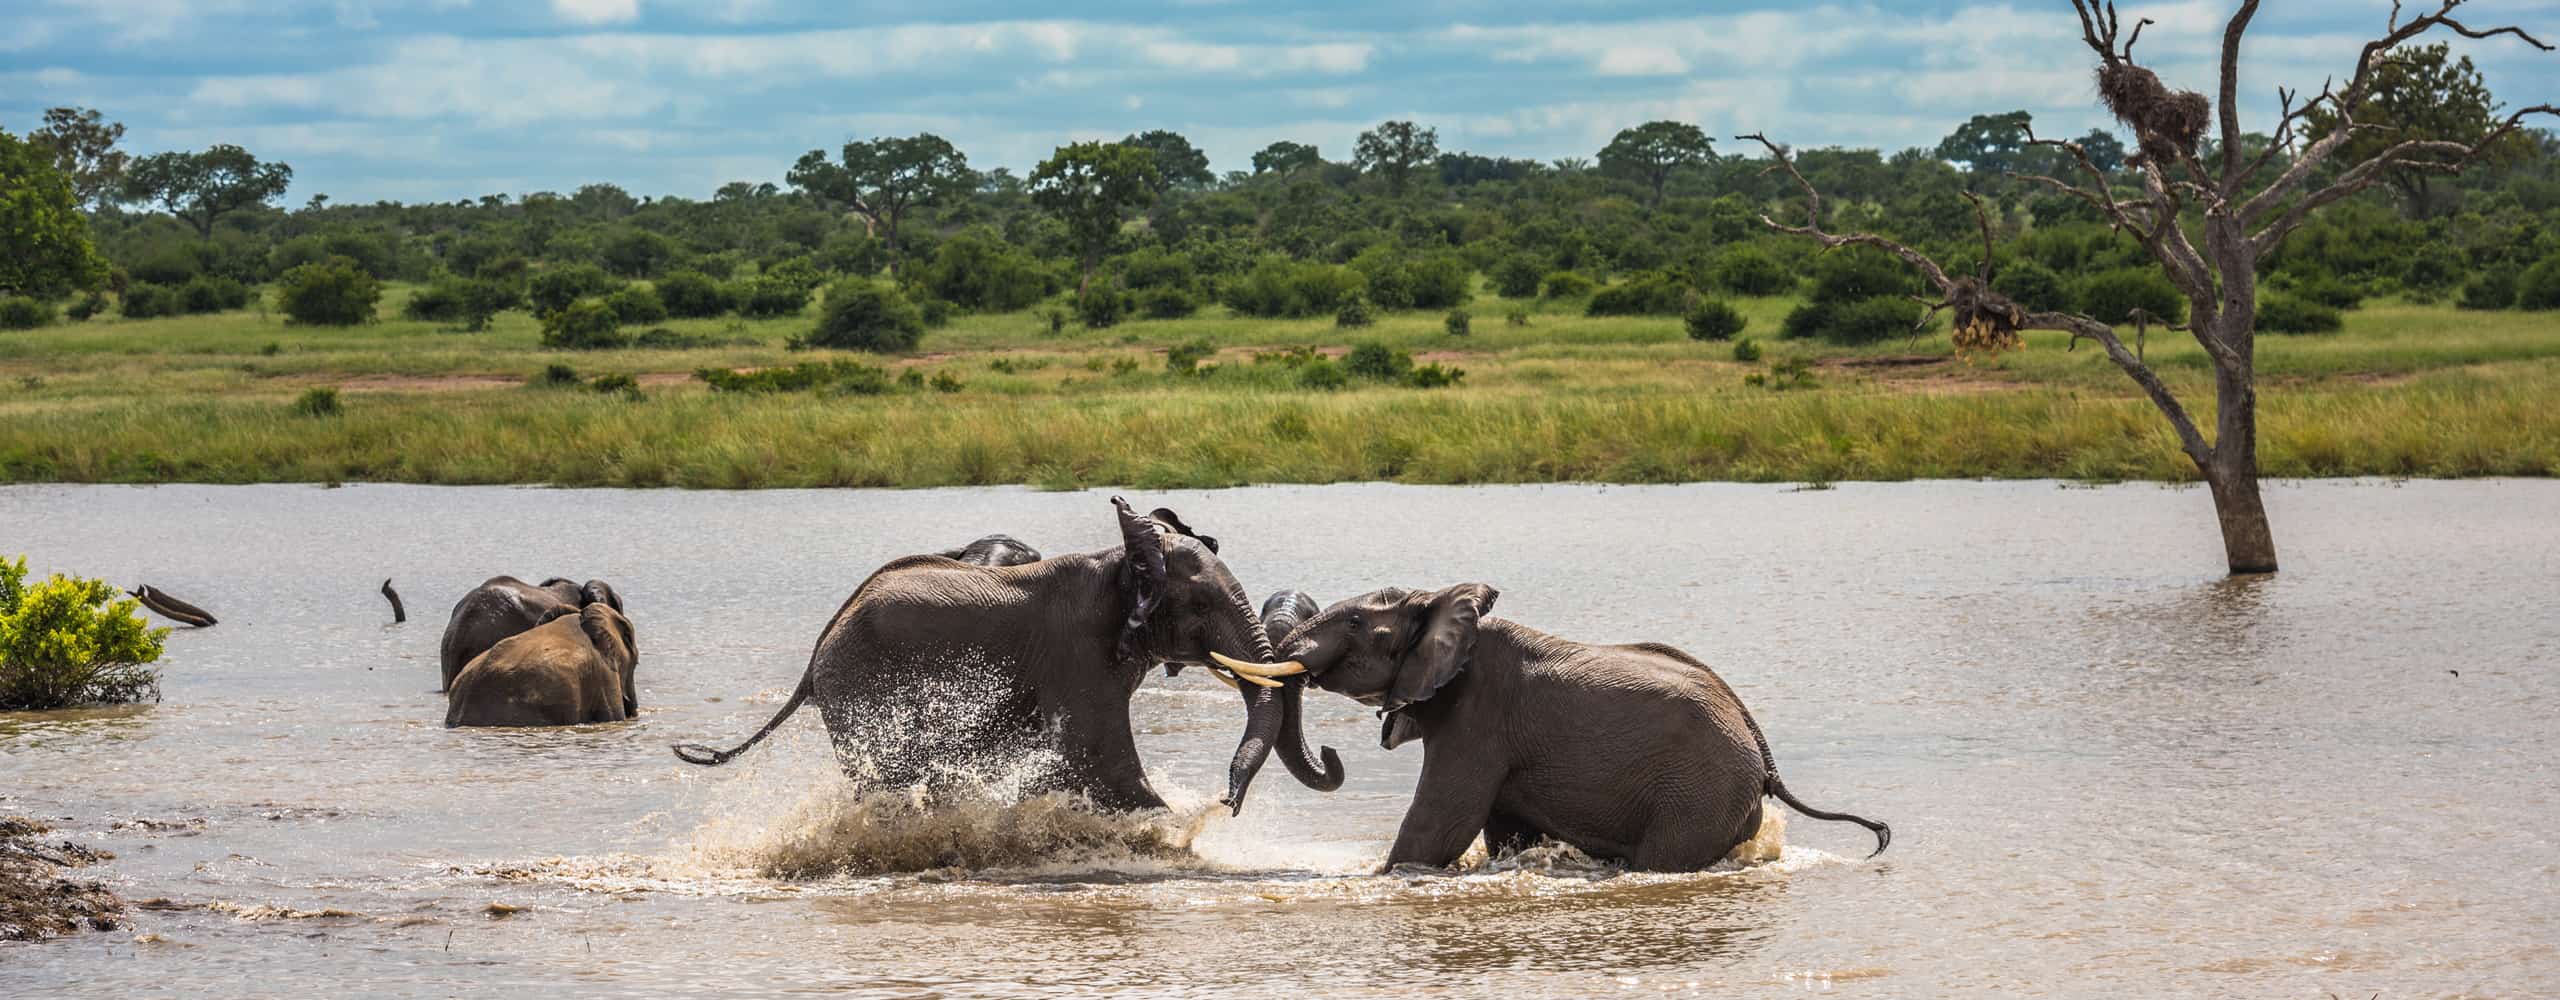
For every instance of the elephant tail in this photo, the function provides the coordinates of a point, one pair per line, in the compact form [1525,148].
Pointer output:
[1884,833]
[695,753]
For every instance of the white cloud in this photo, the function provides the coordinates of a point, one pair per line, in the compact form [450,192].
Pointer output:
[595,11]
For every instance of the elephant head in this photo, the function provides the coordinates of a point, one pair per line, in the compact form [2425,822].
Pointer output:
[1185,609]
[994,550]
[610,633]
[598,592]
[1393,648]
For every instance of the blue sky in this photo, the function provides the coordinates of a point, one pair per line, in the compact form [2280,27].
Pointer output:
[444,99]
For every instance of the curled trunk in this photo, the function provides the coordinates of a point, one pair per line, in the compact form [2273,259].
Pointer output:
[1272,718]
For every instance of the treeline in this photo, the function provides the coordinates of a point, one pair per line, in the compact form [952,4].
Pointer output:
[1656,223]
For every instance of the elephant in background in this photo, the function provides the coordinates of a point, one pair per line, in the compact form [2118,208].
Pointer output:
[576,667]
[1634,752]
[994,550]
[933,665]
[504,606]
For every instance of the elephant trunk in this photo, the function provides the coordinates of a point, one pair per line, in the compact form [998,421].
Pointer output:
[1272,718]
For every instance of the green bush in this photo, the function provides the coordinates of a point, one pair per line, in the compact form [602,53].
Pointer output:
[2034,287]
[469,301]
[1102,305]
[1864,321]
[88,305]
[2111,296]
[1458,323]
[1169,302]
[1645,293]
[767,298]
[1746,350]
[212,293]
[2282,313]
[1355,313]
[1517,276]
[865,315]
[634,305]
[1567,285]
[637,253]
[586,324]
[554,288]
[2327,290]
[317,401]
[1373,360]
[799,272]
[977,269]
[801,377]
[2431,271]
[1322,373]
[143,300]
[1184,359]
[67,642]
[1749,270]
[936,312]
[1432,376]
[691,295]
[1713,320]
[1439,281]
[618,383]
[1859,273]
[2538,288]
[2491,289]
[334,292]
[1278,286]
[19,312]
[554,376]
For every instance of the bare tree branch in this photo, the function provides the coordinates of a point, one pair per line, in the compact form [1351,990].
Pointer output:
[1812,229]
[2229,105]
[2082,328]
[2437,155]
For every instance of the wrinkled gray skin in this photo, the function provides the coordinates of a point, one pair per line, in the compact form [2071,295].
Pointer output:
[576,667]
[1636,752]
[994,550]
[934,667]
[504,606]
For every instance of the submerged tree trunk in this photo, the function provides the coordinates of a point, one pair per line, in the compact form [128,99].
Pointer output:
[2248,542]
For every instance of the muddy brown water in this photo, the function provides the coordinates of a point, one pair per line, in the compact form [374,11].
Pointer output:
[2110,771]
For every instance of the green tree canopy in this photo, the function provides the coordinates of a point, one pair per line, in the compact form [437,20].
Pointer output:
[2418,91]
[84,150]
[1650,152]
[1091,187]
[1988,144]
[1178,163]
[44,242]
[1394,149]
[202,187]
[880,179]
[1285,156]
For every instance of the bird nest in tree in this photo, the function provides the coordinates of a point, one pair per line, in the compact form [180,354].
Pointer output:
[2168,122]
[1985,320]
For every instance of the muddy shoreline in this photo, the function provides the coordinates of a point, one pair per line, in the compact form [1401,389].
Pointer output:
[36,901]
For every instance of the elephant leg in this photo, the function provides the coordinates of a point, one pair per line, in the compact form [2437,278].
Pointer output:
[1694,843]
[1451,803]
[1505,833]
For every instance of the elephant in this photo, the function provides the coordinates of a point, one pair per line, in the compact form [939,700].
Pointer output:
[504,606]
[171,608]
[934,665]
[576,667]
[1638,753]
[994,550]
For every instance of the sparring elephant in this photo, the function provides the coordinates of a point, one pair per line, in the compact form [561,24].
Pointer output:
[504,606]
[1637,752]
[576,667]
[937,671]
[994,550]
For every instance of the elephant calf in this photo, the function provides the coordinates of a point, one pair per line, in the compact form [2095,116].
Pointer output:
[575,667]
[1637,752]
[503,606]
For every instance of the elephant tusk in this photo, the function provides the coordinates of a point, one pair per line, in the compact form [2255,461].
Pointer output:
[1231,678]
[1223,677]
[1259,669]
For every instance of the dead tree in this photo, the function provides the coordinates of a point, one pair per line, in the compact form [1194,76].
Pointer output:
[2237,221]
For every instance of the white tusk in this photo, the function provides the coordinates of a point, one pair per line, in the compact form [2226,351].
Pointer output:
[1259,669]
[1223,678]
[1251,679]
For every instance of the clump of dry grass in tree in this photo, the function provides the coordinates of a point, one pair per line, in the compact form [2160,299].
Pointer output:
[2241,221]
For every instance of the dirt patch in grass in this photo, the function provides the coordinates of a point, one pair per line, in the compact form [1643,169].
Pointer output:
[36,902]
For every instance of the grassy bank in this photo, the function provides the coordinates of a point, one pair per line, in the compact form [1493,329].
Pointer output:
[2405,391]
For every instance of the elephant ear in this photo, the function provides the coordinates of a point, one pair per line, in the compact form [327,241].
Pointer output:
[609,632]
[555,611]
[599,591]
[1143,538]
[1173,520]
[1447,641]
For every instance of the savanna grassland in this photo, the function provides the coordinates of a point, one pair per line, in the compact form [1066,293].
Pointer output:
[2404,390]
